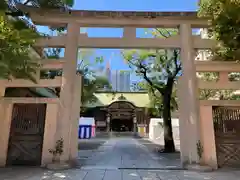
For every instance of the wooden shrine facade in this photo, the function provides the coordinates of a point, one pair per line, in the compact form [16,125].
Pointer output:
[118,110]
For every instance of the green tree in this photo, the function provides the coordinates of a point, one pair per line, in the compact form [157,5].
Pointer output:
[17,36]
[86,63]
[91,86]
[92,82]
[47,3]
[216,94]
[16,39]
[156,104]
[159,69]
[11,7]
[225,20]
[225,28]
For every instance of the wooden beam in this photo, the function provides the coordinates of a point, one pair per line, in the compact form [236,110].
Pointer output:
[49,64]
[200,43]
[218,85]
[54,41]
[124,43]
[217,66]
[27,83]
[61,21]
[114,18]
[129,43]
[129,32]
[28,100]
[219,103]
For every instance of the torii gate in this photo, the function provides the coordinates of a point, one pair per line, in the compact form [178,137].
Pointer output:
[129,21]
[185,21]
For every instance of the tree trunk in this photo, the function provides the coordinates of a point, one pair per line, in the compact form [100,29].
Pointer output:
[169,146]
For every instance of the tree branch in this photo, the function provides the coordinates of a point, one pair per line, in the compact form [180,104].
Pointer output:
[28,1]
[162,34]
[144,73]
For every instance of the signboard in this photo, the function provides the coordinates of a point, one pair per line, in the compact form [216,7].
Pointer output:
[86,121]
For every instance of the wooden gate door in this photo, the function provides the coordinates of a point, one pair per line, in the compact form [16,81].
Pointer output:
[26,134]
[227,135]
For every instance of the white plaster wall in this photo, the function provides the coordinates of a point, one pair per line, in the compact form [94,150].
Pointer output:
[156,132]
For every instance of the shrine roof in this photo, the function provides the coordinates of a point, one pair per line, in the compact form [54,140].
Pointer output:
[139,99]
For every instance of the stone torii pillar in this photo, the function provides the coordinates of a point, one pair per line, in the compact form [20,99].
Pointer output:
[76,106]
[188,100]
[67,90]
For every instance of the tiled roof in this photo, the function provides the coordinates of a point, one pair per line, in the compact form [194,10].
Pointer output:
[104,99]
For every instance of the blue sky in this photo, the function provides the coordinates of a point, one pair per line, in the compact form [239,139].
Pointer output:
[137,5]
[127,5]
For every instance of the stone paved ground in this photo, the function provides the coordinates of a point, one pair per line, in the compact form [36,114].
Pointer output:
[96,174]
[131,155]
[126,153]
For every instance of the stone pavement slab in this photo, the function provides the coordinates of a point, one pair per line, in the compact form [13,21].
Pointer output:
[118,159]
[126,153]
[78,174]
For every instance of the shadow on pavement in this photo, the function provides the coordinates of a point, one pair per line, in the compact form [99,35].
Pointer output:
[90,144]
[153,148]
[87,147]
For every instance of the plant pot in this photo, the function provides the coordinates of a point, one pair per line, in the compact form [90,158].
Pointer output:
[56,158]
[201,162]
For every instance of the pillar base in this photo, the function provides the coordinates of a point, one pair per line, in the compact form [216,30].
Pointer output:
[199,168]
[58,166]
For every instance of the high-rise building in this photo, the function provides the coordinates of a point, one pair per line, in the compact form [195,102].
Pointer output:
[108,71]
[114,80]
[124,83]
[105,73]
[120,81]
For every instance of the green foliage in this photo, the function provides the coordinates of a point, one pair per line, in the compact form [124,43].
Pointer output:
[225,20]
[44,3]
[159,68]
[156,102]
[91,86]
[51,3]
[199,149]
[86,62]
[3,5]
[58,148]
[205,94]
[91,81]
[139,86]
[215,94]
[156,67]
[16,39]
